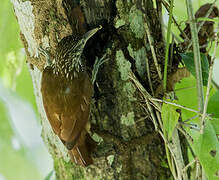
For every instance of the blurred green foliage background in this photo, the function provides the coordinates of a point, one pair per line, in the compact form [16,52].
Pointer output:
[22,154]
[19,158]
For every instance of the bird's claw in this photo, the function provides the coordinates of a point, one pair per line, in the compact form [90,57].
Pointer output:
[97,64]
[45,52]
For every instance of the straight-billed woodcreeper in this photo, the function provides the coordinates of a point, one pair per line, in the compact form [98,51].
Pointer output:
[66,92]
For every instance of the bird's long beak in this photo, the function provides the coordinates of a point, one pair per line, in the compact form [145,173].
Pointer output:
[81,44]
[90,33]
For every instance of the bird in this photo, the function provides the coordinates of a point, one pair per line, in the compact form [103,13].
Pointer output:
[67,92]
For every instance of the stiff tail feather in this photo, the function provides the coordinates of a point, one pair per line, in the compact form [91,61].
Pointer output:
[81,152]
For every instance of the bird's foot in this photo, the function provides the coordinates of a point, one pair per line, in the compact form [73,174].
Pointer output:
[46,53]
[97,64]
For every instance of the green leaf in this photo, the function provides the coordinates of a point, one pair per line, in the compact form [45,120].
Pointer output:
[170,119]
[187,96]
[215,124]
[206,148]
[188,60]
[49,176]
[213,105]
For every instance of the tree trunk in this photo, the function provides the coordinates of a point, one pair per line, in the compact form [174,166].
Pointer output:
[128,146]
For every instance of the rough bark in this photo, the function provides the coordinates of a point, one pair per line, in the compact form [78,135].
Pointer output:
[128,147]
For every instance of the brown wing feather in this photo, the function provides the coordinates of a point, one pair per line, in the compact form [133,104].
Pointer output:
[65,104]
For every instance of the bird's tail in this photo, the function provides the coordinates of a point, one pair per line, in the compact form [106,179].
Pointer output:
[81,152]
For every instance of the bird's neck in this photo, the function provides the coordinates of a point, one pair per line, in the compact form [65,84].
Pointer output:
[69,67]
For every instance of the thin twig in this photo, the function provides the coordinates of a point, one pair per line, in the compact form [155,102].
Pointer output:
[186,88]
[152,50]
[148,72]
[143,91]
[176,39]
[174,169]
[178,154]
[191,126]
[190,164]
[167,45]
[215,85]
[209,84]
[159,119]
[171,52]
[198,171]
[166,5]
[146,95]
[169,149]
[182,130]
[204,176]
[187,120]
[197,56]
[202,23]
[174,104]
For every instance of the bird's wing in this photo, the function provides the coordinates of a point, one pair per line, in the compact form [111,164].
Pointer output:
[67,104]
